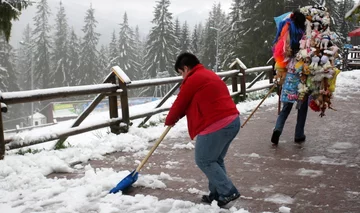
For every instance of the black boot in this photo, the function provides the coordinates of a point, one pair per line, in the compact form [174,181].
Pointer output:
[225,200]
[209,198]
[275,137]
[300,140]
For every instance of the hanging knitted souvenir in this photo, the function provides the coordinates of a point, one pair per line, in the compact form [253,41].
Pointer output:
[319,66]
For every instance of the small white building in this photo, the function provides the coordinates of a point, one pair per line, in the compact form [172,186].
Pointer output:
[38,119]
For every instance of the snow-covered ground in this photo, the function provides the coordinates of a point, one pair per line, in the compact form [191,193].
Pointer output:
[24,187]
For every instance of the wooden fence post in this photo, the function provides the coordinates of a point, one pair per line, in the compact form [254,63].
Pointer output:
[3,108]
[234,84]
[113,108]
[345,58]
[271,73]
[124,80]
[242,84]
[124,107]
[2,141]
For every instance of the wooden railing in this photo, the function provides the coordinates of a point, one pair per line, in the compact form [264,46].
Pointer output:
[115,85]
[351,59]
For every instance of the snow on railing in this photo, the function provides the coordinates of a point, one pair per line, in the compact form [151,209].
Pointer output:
[18,141]
[259,69]
[44,94]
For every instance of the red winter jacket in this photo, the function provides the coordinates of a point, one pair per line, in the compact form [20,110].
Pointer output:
[204,98]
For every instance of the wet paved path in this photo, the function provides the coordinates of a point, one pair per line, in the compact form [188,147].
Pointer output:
[321,175]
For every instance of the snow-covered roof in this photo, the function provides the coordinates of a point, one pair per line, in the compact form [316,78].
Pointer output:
[38,115]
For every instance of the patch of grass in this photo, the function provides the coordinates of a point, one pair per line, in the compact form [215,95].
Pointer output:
[100,134]
[151,123]
[29,150]
[64,146]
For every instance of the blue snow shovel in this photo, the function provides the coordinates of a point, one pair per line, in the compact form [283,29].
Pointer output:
[133,176]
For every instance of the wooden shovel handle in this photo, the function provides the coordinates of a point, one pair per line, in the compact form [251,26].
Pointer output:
[252,113]
[153,149]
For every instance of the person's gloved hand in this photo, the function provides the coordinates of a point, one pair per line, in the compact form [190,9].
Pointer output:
[280,77]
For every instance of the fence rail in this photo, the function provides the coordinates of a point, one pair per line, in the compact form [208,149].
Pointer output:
[115,85]
[351,59]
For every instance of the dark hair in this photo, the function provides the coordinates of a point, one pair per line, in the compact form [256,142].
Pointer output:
[299,19]
[186,59]
[296,33]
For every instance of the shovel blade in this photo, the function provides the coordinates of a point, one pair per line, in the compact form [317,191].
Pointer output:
[125,183]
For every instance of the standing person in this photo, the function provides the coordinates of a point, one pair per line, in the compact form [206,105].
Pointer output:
[287,45]
[212,118]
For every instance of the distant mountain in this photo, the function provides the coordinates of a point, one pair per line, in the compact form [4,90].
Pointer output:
[192,17]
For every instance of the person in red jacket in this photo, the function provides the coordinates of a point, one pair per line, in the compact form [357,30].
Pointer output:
[212,118]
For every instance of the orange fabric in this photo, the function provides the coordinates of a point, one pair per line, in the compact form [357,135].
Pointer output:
[279,50]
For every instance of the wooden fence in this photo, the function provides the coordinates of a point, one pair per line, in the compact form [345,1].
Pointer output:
[116,85]
[351,59]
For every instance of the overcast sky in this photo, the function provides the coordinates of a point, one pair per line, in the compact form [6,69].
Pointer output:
[109,13]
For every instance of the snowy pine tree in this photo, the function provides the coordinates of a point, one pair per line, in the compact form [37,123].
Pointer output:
[42,46]
[216,23]
[74,58]
[343,27]
[126,47]
[195,41]
[60,57]
[159,58]
[8,77]
[258,28]
[89,61]
[24,63]
[24,66]
[140,52]
[10,10]
[177,34]
[113,52]
[185,38]
[232,40]
[103,64]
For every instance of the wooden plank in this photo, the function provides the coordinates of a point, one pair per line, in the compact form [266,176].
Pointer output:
[353,64]
[259,69]
[113,109]
[2,140]
[256,79]
[169,80]
[63,92]
[124,99]
[153,82]
[260,88]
